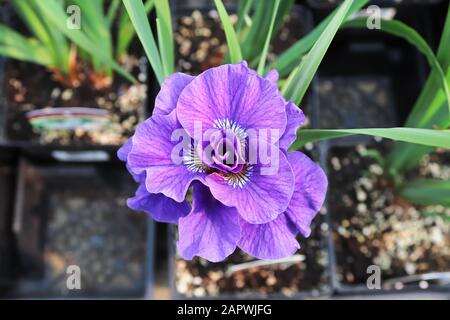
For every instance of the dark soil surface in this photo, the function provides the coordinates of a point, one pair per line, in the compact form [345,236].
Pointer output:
[201,44]
[29,87]
[84,221]
[242,275]
[356,102]
[373,225]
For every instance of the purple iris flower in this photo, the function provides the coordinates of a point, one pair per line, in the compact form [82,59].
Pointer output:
[234,202]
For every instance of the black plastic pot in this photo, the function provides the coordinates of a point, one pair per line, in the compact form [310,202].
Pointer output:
[342,251]
[16,129]
[8,163]
[76,214]
[367,80]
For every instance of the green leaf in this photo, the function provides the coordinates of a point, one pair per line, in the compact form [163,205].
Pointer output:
[165,36]
[401,30]
[230,34]
[244,9]
[126,32]
[54,13]
[427,192]
[429,110]
[253,43]
[290,58]
[57,48]
[262,59]
[299,81]
[16,46]
[112,11]
[95,26]
[136,12]
[37,55]
[428,137]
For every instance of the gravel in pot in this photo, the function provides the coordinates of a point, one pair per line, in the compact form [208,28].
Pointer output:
[77,215]
[240,275]
[28,87]
[373,225]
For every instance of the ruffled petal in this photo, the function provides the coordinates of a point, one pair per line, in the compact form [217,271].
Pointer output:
[262,195]
[158,206]
[231,95]
[310,190]
[167,98]
[123,153]
[210,231]
[272,76]
[272,240]
[295,119]
[152,152]
[124,150]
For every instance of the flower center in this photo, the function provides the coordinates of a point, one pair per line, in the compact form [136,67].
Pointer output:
[223,152]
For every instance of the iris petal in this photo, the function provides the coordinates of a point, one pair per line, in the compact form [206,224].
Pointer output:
[158,206]
[295,119]
[309,194]
[210,231]
[273,240]
[262,196]
[152,153]
[167,98]
[231,94]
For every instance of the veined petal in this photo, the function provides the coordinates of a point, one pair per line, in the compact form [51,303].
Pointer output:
[309,194]
[158,206]
[295,119]
[272,240]
[233,96]
[210,231]
[167,98]
[152,153]
[272,76]
[258,196]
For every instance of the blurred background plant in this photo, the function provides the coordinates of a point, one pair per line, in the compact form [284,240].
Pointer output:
[431,110]
[90,53]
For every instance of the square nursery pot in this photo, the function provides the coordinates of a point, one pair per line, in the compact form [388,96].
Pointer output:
[76,214]
[200,40]
[304,275]
[367,80]
[371,224]
[8,166]
[37,110]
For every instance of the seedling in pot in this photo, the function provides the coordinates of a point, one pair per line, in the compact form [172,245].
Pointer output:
[82,61]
